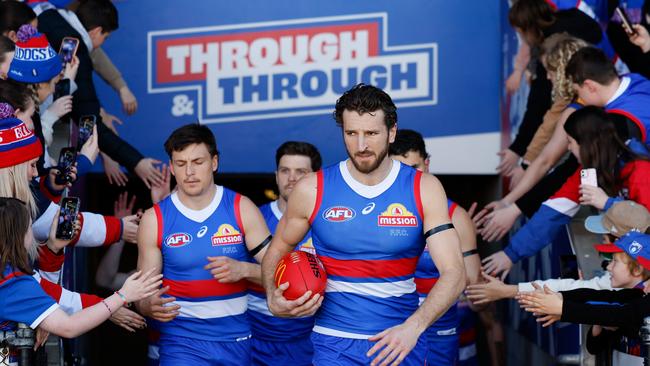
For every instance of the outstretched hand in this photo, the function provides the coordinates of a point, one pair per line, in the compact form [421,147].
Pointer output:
[497,263]
[492,289]
[546,304]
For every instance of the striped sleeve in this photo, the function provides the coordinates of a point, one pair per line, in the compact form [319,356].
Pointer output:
[547,222]
[70,302]
[96,230]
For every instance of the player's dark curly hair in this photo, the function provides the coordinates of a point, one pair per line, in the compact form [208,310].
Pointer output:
[364,98]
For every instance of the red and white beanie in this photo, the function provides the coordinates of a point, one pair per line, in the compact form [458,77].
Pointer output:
[18,143]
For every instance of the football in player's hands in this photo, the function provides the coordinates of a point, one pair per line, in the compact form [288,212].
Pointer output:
[304,272]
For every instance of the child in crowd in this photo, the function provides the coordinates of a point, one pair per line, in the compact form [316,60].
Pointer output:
[624,309]
[622,217]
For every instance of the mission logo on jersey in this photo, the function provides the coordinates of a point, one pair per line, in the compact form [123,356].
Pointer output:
[226,235]
[397,215]
[308,246]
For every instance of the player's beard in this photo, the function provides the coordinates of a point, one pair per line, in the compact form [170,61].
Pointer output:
[370,166]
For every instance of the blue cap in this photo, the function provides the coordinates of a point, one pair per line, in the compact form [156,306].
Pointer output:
[635,244]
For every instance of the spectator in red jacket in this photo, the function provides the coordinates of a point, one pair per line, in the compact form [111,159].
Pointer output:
[594,141]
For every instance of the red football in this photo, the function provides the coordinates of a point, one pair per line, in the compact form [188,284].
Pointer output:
[304,272]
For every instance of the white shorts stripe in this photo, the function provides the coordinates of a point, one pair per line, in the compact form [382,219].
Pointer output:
[338,333]
[382,290]
[212,309]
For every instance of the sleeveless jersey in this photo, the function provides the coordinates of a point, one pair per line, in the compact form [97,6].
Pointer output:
[426,276]
[369,239]
[210,310]
[264,325]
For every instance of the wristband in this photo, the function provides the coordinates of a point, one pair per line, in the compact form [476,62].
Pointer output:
[107,307]
[118,293]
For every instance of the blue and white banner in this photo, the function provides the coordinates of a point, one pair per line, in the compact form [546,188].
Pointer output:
[260,73]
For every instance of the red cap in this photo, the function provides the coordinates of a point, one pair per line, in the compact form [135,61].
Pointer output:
[608,248]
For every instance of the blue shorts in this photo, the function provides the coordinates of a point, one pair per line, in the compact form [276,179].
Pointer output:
[329,350]
[179,351]
[443,349]
[296,353]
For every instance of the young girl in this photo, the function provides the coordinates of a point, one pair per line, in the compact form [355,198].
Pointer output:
[594,142]
[23,299]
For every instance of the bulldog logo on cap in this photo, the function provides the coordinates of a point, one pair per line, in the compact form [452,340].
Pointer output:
[635,247]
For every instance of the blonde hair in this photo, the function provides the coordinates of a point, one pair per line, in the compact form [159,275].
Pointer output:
[557,50]
[14,183]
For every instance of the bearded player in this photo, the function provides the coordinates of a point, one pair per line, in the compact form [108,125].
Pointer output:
[370,217]
[201,236]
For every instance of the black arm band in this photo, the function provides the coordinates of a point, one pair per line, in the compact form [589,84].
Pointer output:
[470,252]
[261,246]
[438,229]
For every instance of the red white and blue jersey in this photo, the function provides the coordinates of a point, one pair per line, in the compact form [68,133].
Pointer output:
[264,325]
[426,276]
[633,102]
[210,310]
[369,239]
[557,211]
[22,300]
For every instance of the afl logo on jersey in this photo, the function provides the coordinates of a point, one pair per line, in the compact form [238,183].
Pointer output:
[226,235]
[397,215]
[178,240]
[338,214]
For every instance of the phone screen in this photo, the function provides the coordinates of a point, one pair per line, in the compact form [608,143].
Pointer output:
[67,159]
[85,129]
[67,218]
[68,48]
[61,89]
